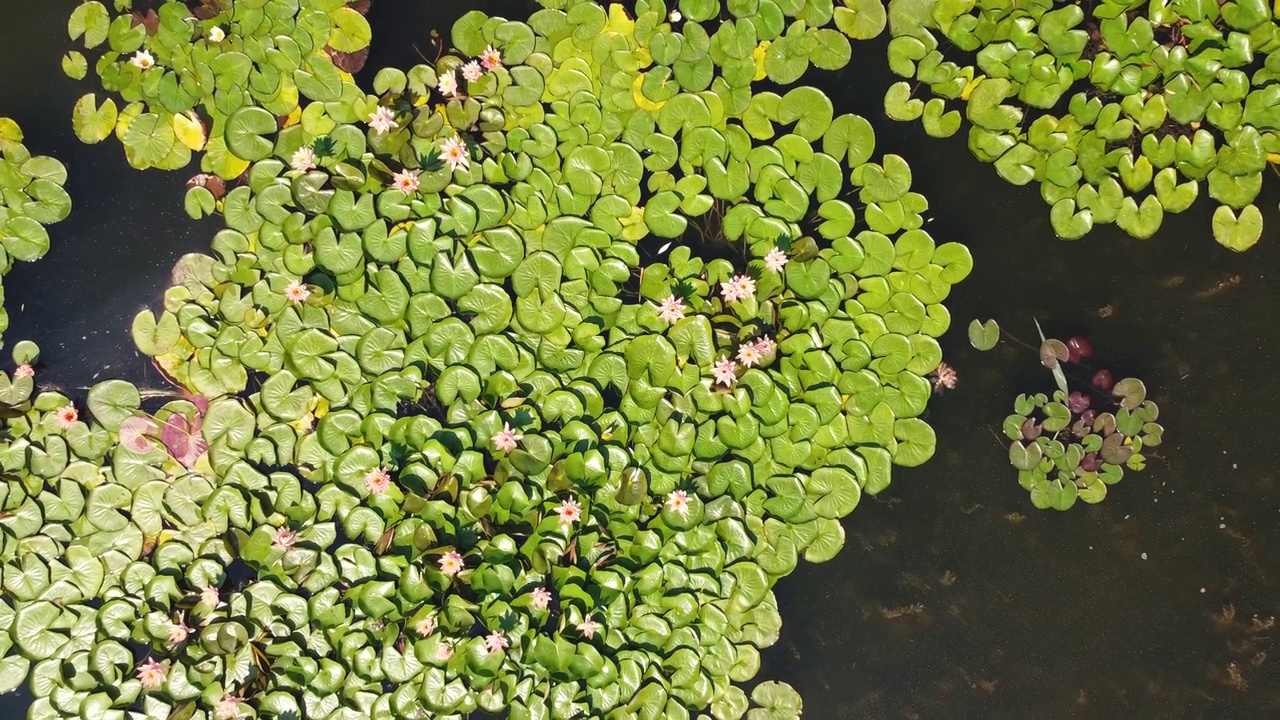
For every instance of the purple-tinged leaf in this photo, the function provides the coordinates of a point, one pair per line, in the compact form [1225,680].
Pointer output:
[183,440]
[1077,402]
[1091,462]
[134,431]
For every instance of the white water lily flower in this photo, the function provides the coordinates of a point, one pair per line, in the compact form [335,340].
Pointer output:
[217,34]
[143,60]
[303,159]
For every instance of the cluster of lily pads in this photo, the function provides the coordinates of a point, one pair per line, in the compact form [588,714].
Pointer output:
[1119,109]
[1076,442]
[183,70]
[451,429]
[31,197]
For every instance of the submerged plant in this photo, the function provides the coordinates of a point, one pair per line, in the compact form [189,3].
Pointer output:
[473,442]
[1074,443]
[1120,110]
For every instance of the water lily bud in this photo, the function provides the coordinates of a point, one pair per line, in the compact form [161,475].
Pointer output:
[1078,348]
[1103,380]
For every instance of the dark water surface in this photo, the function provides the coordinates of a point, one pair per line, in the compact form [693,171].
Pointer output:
[953,597]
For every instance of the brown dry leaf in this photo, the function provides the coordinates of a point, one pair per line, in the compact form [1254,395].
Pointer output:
[349,62]
[150,19]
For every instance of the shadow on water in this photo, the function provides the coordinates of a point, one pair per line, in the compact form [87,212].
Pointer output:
[953,596]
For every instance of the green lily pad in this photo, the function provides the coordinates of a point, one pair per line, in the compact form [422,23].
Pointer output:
[984,336]
[861,19]
[1238,233]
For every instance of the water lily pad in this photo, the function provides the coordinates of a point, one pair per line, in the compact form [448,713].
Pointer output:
[984,336]
[245,130]
[861,19]
[351,31]
[93,123]
[1238,233]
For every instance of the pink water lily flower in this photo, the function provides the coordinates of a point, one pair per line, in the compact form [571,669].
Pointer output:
[406,181]
[945,378]
[540,597]
[725,372]
[746,286]
[209,597]
[426,626]
[447,84]
[303,159]
[472,71]
[495,641]
[282,538]
[450,563]
[377,481]
[775,260]
[178,633]
[151,674]
[671,309]
[297,292]
[67,416]
[383,120]
[765,346]
[569,511]
[490,58]
[589,628]
[453,152]
[143,60]
[506,439]
[748,354]
[678,502]
[24,370]
[444,652]
[228,708]
[740,287]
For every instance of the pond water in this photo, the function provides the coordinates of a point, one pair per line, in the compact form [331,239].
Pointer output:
[953,596]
